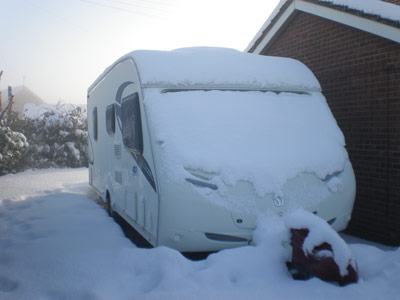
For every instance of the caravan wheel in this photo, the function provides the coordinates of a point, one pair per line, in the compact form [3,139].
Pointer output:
[108,207]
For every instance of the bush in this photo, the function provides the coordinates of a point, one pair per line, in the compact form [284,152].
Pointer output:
[13,147]
[58,138]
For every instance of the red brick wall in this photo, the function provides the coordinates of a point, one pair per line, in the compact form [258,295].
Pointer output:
[360,76]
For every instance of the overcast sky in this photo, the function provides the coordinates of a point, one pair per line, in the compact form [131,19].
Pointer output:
[57,48]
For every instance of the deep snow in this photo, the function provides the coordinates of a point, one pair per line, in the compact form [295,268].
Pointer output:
[57,243]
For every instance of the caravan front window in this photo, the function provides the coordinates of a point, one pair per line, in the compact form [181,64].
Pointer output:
[131,123]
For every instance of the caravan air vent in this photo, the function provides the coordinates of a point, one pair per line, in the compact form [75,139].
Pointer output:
[202,184]
[224,237]
[117,151]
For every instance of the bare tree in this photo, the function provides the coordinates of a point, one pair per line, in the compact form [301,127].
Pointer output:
[10,101]
[1,106]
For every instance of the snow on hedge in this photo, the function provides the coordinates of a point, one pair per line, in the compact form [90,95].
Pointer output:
[57,243]
[39,111]
[264,138]
[57,135]
[205,66]
[13,147]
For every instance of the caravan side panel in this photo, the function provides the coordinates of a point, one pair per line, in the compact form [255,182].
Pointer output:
[116,123]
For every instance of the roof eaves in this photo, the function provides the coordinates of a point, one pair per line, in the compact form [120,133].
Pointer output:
[285,4]
[275,15]
[20,88]
[356,12]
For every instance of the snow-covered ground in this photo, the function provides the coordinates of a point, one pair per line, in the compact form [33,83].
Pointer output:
[57,243]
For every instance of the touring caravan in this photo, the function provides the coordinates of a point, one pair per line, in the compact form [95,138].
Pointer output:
[190,146]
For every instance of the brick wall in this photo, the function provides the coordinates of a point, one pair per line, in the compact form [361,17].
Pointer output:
[360,76]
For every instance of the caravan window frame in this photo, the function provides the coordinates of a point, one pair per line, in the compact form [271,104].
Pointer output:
[131,123]
[95,124]
[110,119]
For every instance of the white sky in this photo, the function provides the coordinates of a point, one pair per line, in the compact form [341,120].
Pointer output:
[59,47]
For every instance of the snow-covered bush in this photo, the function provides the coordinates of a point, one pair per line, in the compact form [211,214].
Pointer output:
[13,146]
[57,136]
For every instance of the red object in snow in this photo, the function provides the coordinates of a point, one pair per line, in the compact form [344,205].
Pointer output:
[325,268]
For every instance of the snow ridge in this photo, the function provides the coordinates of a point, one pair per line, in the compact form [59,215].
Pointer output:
[218,67]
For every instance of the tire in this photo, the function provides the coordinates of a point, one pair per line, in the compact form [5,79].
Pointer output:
[108,206]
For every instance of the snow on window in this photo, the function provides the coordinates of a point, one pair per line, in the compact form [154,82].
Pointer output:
[264,138]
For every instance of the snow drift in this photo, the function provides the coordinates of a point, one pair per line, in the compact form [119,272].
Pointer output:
[56,243]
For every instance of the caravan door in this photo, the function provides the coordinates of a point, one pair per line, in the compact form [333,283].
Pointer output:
[141,198]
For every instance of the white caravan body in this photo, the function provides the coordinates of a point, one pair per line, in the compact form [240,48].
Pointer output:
[192,145]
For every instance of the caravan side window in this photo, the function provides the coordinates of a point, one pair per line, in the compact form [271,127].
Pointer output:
[94,113]
[131,123]
[110,119]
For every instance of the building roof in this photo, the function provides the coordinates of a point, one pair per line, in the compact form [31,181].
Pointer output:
[22,95]
[378,17]
[22,89]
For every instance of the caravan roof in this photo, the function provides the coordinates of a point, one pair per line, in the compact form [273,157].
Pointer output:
[218,67]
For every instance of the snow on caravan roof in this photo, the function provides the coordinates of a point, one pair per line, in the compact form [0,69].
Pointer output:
[219,67]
